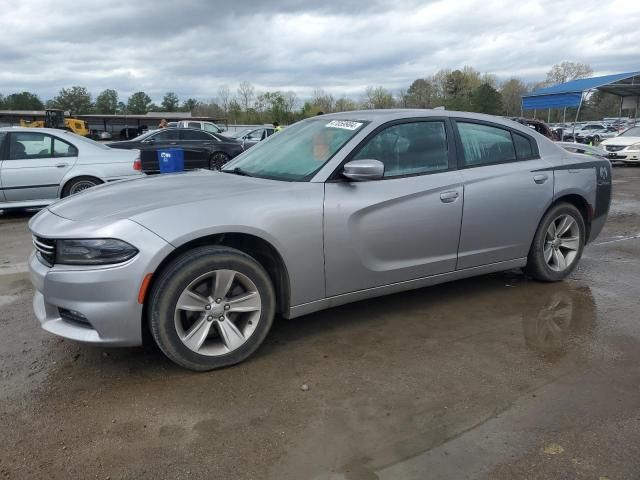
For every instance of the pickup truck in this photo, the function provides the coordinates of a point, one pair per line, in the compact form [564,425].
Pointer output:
[206,126]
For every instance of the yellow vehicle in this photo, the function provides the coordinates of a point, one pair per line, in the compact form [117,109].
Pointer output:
[54,118]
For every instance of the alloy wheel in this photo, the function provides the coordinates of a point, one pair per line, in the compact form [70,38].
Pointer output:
[81,186]
[561,243]
[217,312]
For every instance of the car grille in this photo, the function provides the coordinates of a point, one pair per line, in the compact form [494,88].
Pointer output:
[614,148]
[46,249]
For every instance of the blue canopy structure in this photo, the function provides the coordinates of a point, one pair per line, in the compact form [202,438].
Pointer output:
[570,94]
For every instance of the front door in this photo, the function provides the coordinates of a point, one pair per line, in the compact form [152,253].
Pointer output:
[402,227]
[506,192]
[35,165]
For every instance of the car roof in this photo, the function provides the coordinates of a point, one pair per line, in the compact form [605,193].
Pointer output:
[382,116]
[33,129]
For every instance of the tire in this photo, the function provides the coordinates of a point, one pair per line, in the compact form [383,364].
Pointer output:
[544,262]
[78,185]
[217,160]
[226,332]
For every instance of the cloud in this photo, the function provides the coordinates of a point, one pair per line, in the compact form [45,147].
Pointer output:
[194,46]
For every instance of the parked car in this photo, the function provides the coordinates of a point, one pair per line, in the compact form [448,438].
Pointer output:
[597,135]
[587,129]
[201,149]
[206,126]
[625,147]
[334,209]
[250,136]
[41,165]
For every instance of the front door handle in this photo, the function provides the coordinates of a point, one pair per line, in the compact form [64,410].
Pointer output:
[448,197]
[61,165]
[541,178]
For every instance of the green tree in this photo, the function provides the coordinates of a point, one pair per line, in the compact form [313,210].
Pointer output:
[512,91]
[138,103]
[23,101]
[76,100]
[107,102]
[343,104]
[378,97]
[170,102]
[421,94]
[486,99]
[189,105]
[3,102]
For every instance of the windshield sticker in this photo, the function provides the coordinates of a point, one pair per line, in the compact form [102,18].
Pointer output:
[344,124]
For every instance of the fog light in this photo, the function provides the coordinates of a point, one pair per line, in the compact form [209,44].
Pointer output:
[73,316]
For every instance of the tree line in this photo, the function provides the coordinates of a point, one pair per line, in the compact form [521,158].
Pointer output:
[463,89]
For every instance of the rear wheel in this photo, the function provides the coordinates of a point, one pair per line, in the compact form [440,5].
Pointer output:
[79,184]
[211,307]
[557,245]
[217,160]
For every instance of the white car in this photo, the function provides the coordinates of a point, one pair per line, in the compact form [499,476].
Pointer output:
[625,147]
[41,165]
[206,126]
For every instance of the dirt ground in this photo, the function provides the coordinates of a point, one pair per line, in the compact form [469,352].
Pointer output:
[496,377]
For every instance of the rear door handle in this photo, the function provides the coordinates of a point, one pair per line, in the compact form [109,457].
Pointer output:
[448,197]
[61,165]
[541,178]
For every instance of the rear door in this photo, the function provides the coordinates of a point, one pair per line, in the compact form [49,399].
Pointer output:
[506,191]
[197,148]
[35,166]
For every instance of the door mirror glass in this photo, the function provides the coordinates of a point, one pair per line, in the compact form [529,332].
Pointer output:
[363,170]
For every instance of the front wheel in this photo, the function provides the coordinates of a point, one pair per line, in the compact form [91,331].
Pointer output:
[217,160]
[211,307]
[557,245]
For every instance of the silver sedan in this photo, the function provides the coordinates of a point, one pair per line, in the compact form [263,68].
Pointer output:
[41,165]
[334,209]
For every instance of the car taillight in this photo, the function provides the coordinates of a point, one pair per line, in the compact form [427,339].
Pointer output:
[137,165]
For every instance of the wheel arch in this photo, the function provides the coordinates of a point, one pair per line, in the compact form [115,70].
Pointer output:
[260,249]
[578,201]
[68,181]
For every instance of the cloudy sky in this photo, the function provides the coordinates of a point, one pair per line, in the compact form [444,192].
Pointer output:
[194,46]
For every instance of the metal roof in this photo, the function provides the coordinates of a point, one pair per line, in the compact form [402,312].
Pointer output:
[569,94]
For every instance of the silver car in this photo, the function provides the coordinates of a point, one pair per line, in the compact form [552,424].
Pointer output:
[334,209]
[41,165]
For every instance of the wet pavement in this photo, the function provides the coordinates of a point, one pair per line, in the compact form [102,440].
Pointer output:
[496,377]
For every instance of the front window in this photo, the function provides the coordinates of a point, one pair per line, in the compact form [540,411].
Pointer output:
[632,132]
[298,152]
[409,148]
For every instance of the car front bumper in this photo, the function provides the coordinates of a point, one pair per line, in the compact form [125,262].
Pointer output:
[624,156]
[105,297]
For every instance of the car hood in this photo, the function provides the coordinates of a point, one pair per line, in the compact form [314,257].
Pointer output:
[626,141]
[128,198]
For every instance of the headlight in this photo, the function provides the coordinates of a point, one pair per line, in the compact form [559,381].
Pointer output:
[95,251]
[634,148]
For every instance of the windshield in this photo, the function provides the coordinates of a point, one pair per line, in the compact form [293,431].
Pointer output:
[240,133]
[297,153]
[88,140]
[632,132]
[143,136]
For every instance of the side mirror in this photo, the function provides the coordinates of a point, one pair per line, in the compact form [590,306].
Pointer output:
[363,170]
